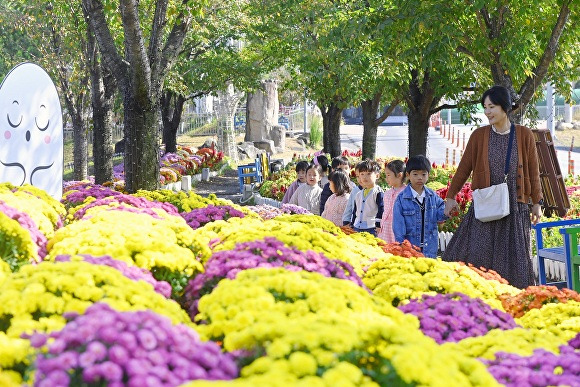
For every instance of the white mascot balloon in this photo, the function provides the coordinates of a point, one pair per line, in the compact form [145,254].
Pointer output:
[31,141]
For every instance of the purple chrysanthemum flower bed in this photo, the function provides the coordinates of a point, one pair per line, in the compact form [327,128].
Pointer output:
[542,368]
[268,253]
[199,217]
[455,316]
[288,208]
[131,201]
[27,223]
[107,347]
[267,211]
[132,272]
[81,193]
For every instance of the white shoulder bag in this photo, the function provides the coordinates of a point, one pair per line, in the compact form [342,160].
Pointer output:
[492,203]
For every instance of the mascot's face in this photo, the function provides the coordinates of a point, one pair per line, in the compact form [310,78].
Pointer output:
[31,145]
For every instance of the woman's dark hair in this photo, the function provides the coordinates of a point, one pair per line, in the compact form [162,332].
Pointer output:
[418,163]
[369,166]
[322,161]
[498,95]
[340,181]
[301,166]
[338,161]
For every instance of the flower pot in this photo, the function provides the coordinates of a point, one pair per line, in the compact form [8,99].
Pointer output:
[186,183]
[205,174]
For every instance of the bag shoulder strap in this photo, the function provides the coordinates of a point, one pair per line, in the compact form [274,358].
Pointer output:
[509,150]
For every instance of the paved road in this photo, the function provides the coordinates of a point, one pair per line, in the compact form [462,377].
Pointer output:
[393,141]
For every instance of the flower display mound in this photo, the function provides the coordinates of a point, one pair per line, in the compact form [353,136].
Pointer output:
[311,221]
[266,253]
[132,272]
[77,194]
[488,274]
[542,368]
[454,316]
[223,235]
[398,280]
[36,297]
[274,313]
[167,247]
[267,211]
[535,297]
[562,319]
[405,249]
[519,341]
[127,202]
[187,201]
[107,347]
[46,212]
[199,217]
[17,246]
[281,372]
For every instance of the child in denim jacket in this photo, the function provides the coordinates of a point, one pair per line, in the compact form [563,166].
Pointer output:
[418,208]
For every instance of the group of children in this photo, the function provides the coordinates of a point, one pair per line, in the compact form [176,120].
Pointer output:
[403,212]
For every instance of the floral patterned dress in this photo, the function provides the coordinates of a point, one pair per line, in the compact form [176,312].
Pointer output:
[502,245]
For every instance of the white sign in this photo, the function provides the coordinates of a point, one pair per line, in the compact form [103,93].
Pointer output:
[31,143]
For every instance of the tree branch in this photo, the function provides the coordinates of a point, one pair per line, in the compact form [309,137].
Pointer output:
[94,13]
[134,45]
[539,73]
[388,111]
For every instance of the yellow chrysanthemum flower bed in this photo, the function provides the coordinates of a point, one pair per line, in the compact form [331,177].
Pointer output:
[331,321]
[187,201]
[561,319]
[519,340]
[137,239]
[16,244]
[398,279]
[4,271]
[283,373]
[42,211]
[303,236]
[35,298]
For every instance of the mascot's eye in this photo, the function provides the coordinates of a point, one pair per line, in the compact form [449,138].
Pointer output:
[45,126]
[14,109]
[42,118]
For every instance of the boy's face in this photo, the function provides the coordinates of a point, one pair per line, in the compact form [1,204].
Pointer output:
[312,177]
[418,179]
[367,179]
[301,176]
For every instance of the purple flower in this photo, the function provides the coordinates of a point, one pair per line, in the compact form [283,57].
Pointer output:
[267,253]
[149,351]
[201,216]
[542,368]
[80,193]
[454,317]
[128,203]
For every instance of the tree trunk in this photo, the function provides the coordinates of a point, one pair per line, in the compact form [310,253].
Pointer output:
[140,69]
[418,130]
[370,108]
[331,115]
[171,110]
[102,93]
[141,144]
[422,102]
[369,117]
[80,147]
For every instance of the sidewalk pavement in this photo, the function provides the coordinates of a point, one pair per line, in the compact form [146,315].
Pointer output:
[392,141]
